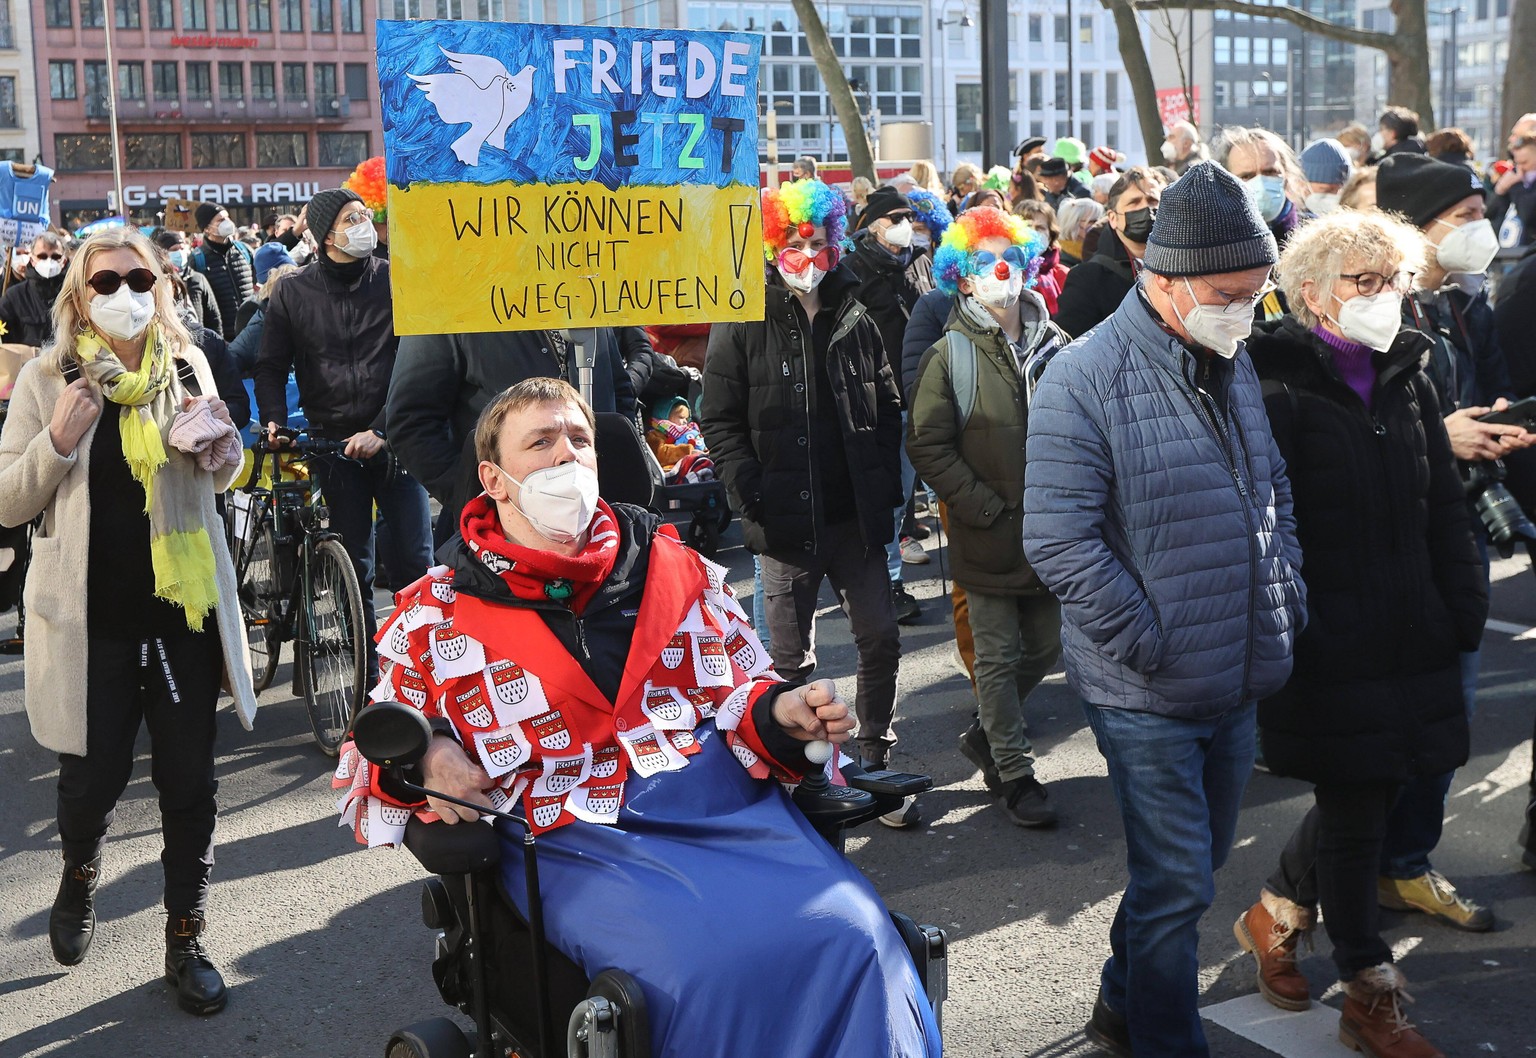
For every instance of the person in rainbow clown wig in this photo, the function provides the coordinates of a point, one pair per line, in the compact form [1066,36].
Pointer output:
[965,437]
[803,421]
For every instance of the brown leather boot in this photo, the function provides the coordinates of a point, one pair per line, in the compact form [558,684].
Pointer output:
[1373,1021]
[1271,930]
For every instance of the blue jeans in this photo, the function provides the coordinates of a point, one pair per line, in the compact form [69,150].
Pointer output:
[759,605]
[908,478]
[1179,785]
[351,489]
[1414,827]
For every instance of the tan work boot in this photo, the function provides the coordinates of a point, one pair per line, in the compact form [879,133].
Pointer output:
[1271,930]
[1433,894]
[1373,1021]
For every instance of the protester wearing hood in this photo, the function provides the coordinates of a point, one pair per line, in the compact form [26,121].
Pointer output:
[26,310]
[225,261]
[1467,365]
[803,421]
[1095,288]
[332,324]
[966,438]
[1326,166]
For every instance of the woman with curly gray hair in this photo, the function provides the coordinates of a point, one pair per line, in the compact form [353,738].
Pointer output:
[1395,593]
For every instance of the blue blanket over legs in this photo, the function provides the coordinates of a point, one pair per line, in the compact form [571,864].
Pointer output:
[750,935]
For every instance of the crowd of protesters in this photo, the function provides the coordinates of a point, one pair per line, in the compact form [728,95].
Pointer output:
[1212,431]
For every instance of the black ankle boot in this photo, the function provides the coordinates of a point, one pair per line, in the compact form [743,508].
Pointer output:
[199,985]
[72,923]
[1528,836]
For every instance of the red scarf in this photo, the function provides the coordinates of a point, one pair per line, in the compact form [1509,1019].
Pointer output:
[536,575]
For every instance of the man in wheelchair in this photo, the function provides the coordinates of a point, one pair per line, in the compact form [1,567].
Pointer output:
[574,659]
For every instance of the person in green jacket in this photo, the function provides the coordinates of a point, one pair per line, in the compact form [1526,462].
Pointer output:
[965,437]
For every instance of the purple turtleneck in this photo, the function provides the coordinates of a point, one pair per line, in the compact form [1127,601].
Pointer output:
[1353,361]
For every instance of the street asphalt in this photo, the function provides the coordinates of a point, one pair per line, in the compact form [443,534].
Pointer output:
[322,944]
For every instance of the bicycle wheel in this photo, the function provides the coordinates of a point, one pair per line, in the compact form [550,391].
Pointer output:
[260,595]
[334,653]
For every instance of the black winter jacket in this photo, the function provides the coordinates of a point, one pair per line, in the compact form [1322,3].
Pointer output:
[758,411]
[442,382]
[1395,585]
[890,288]
[205,306]
[226,374]
[924,329]
[1095,288]
[1466,362]
[27,309]
[1514,318]
[338,339]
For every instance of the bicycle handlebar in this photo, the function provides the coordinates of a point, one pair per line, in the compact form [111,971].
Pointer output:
[299,443]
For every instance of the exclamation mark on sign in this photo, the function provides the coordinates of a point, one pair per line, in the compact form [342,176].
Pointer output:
[741,231]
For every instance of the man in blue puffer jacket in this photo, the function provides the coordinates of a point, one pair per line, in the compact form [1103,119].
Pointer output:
[1158,512]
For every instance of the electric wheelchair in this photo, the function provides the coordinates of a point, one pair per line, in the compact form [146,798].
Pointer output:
[527,1000]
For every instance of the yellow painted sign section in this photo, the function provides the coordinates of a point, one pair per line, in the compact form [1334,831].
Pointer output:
[504,257]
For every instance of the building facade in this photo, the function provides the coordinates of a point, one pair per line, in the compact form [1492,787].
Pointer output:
[1467,76]
[256,104]
[18,84]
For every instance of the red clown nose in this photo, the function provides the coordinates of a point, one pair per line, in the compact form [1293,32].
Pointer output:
[1001,271]
[806,229]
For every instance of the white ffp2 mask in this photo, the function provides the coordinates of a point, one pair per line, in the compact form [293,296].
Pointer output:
[1372,321]
[122,314]
[559,502]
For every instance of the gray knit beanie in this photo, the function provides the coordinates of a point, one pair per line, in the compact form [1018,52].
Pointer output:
[1206,224]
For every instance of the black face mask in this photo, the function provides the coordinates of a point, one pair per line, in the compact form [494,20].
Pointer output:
[289,239]
[1138,224]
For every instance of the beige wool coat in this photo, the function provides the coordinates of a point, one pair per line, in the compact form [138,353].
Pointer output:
[34,479]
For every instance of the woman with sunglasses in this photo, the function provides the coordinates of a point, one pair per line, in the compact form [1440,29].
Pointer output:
[803,422]
[1395,592]
[26,310]
[968,418]
[131,583]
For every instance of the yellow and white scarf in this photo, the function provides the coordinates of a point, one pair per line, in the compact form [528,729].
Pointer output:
[179,546]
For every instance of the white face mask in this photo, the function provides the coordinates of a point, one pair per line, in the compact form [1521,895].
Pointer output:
[1469,248]
[1169,154]
[122,315]
[1321,202]
[361,239]
[226,229]
[19,261]
[178,259]
[803,282]
[1268,194]
[1221,330]
[1372,321]
[1378,143]
[921,242]
[997,293]
[899,235]
[48,268]
[559,502]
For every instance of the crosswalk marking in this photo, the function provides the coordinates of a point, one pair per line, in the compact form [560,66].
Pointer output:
[1310,1033]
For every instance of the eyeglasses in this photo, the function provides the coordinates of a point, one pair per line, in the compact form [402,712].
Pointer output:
[1368,284]
[139,280]
[897,218]
[1248,300]
[47,257]
[984,261]
[796,261]
[355,217]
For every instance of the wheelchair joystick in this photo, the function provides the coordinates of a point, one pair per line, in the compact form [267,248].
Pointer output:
[820,801]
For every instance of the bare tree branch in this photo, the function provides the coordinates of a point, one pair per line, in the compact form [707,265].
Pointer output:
[1364,38]
[861,158]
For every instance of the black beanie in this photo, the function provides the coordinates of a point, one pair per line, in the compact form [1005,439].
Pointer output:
[323,208]
[882,201]
[1421,188]
[205,214]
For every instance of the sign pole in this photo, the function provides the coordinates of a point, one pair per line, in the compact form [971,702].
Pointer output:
[117,146]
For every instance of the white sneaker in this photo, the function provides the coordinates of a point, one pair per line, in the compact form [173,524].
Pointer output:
[908,815]
[912,552]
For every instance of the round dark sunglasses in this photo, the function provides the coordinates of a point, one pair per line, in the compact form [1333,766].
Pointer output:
[139,280]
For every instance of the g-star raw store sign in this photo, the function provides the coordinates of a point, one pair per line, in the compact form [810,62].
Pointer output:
[281,192]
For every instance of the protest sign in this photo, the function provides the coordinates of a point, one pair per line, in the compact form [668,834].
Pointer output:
[181,215]
[23,202]
[557,176]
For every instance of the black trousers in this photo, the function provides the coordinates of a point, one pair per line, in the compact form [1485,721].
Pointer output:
[172,685]
[1333,859]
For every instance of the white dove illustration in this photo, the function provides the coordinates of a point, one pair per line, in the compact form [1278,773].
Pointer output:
[482,93]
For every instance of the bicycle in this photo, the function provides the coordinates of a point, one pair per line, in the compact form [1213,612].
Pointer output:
[297,585]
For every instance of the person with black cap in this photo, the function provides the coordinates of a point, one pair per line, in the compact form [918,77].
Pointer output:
[332,324]
[1056,183]
[1467,366]
[225,261]
[1159,514]
[891,280]
[26,310]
